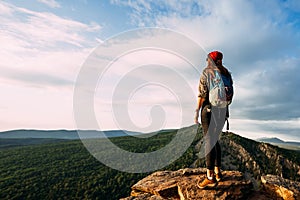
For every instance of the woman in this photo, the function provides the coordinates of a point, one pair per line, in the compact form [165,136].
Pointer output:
[212,119]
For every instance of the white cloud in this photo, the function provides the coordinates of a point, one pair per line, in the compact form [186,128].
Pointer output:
[41,54]
[35,108]
[5,9]
[229,25]
[35,43]
[143,70]
[50,3]
[42,29]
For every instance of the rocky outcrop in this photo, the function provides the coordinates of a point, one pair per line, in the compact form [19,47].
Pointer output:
[182,185]
[280,188]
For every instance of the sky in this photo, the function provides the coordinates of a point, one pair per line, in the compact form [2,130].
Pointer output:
[46,44]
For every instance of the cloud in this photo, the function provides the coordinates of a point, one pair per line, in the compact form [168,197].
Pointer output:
[287,130]
[36,79]
[151,10]
[5,9]
[145,70]
[273,92]
[43,29]
[245,32]
[35,107]
[42,69]
[42,48]
[41,54]
[50,3]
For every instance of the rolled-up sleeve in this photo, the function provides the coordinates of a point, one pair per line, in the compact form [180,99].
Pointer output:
[203,89]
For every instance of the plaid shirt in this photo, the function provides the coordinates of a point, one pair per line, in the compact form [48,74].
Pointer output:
[203,84]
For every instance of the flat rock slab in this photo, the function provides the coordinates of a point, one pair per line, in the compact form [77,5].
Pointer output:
[182,184]
[233,186]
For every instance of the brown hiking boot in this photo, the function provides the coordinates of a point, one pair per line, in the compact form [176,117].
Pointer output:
[207,183]
[219,176]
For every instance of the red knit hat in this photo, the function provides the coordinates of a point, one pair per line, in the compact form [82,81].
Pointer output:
[215,55]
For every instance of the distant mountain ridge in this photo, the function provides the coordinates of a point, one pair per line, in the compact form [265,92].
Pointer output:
[63,134]
[280,143]
[270,140]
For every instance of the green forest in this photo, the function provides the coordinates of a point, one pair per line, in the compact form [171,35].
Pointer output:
[66,170]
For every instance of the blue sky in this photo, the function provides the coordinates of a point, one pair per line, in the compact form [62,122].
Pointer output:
[44,44]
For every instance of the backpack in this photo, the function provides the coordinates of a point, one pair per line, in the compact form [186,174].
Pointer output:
[220,89]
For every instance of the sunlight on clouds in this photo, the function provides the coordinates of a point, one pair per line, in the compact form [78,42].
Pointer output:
[41,54]
[5,9]
[35,43]
[52,68]
[135,63]
[43,29]
[241,28]
[33,107]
